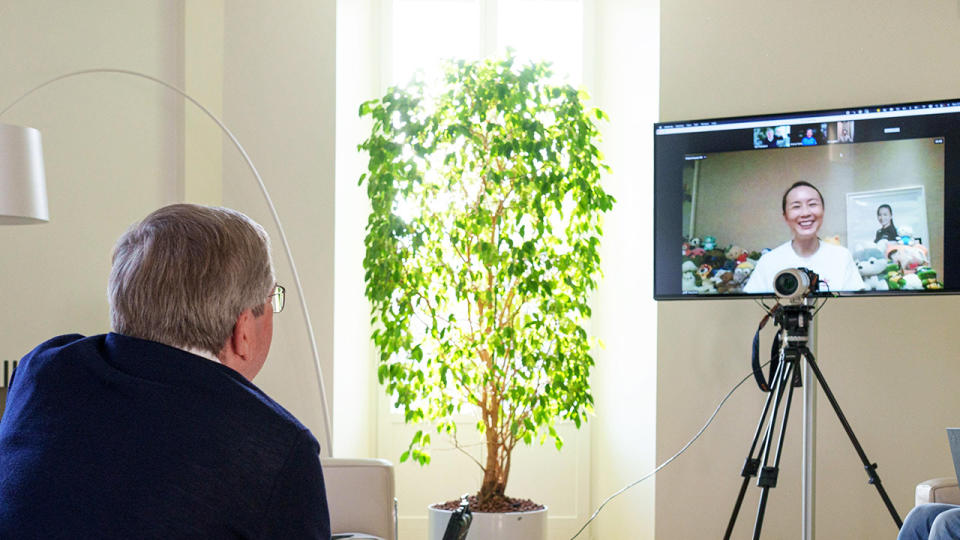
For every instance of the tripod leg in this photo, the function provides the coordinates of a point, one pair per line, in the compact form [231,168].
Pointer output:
[768,475]
[752,464]
[871,468]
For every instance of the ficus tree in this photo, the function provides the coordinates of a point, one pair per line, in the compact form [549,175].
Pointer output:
[482,249]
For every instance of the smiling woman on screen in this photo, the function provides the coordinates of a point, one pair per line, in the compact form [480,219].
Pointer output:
[803,208]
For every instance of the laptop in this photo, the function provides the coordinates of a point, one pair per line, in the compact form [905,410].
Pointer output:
[953,435]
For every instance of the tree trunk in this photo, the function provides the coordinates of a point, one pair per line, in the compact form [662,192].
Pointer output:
[494,483]
[494,479]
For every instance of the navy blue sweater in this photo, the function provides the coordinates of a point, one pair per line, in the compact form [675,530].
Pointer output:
[115,437]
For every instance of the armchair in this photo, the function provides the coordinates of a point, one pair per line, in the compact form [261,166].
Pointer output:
[939,490]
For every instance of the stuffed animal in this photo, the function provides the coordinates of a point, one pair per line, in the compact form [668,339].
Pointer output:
[725,283]
[894,277]
[709,243]
[704,271]
[835,240]
[742,272]
[909,258]
[707,287]
[912,282]
[714,258]
[872,265]
[928,277]
[882,245]
[906,235]
[688,283]
[736,253]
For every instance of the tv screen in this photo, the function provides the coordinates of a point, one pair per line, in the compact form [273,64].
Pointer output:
[861,196]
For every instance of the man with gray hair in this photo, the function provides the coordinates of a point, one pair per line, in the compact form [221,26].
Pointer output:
[155,430]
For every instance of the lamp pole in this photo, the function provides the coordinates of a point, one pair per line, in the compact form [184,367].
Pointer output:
[327,447]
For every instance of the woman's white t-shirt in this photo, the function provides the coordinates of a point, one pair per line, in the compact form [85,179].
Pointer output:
[831,262]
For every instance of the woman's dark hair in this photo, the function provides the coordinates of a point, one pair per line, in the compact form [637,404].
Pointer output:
[882,206]
[783,202]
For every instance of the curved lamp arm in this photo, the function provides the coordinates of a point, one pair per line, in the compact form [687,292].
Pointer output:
[327,448]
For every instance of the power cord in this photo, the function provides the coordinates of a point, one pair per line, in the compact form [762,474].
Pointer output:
[675,456]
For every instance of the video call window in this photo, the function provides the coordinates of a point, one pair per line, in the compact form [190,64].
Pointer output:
[881,201]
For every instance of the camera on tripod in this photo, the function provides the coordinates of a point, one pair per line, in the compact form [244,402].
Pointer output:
[789,354]
[793,285]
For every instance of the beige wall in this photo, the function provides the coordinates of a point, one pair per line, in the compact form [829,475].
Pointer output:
[114,151]
[279,99]
[624,313]
[888,362]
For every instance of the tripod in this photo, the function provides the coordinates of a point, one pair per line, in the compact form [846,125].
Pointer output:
[794,321]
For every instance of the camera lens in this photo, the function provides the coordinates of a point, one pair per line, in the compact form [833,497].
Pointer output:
[786,284]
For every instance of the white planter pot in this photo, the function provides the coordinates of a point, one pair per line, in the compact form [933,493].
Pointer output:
[507,526]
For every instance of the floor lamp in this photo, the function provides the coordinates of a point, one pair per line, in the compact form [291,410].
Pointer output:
[23,189]
[23,197]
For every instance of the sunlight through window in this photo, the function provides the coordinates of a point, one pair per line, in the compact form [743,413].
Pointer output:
[425,32]
[544,30]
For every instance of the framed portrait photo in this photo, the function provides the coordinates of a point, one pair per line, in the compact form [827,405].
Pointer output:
[890,214]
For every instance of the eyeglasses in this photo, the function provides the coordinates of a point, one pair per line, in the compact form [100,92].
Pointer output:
[277,298]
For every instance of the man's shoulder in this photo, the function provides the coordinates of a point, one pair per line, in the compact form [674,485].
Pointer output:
[146,367]
[275,412]
[50,350]
[56,344]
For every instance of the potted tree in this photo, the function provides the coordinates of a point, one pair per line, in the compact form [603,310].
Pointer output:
[481,253]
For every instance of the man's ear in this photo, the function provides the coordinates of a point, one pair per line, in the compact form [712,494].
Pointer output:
[241,334]
[237,348]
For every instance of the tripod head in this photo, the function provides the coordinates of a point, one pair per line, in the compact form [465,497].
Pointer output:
[789,344]
[794,322]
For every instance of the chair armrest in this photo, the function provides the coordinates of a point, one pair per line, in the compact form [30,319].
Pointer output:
[938,490]
[361,497]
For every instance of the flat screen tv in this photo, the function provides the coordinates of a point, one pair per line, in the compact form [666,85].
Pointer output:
[872,215]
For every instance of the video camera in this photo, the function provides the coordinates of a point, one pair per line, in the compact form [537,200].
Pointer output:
[794,284]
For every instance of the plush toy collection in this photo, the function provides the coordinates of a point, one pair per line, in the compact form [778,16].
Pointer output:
[902,265]
[709,269]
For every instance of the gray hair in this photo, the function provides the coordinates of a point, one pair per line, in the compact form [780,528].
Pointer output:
[185,273]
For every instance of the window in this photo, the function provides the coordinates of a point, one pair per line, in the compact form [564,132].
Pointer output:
[421,33]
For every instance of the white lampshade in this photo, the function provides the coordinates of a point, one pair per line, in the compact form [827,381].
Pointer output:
[23,184]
